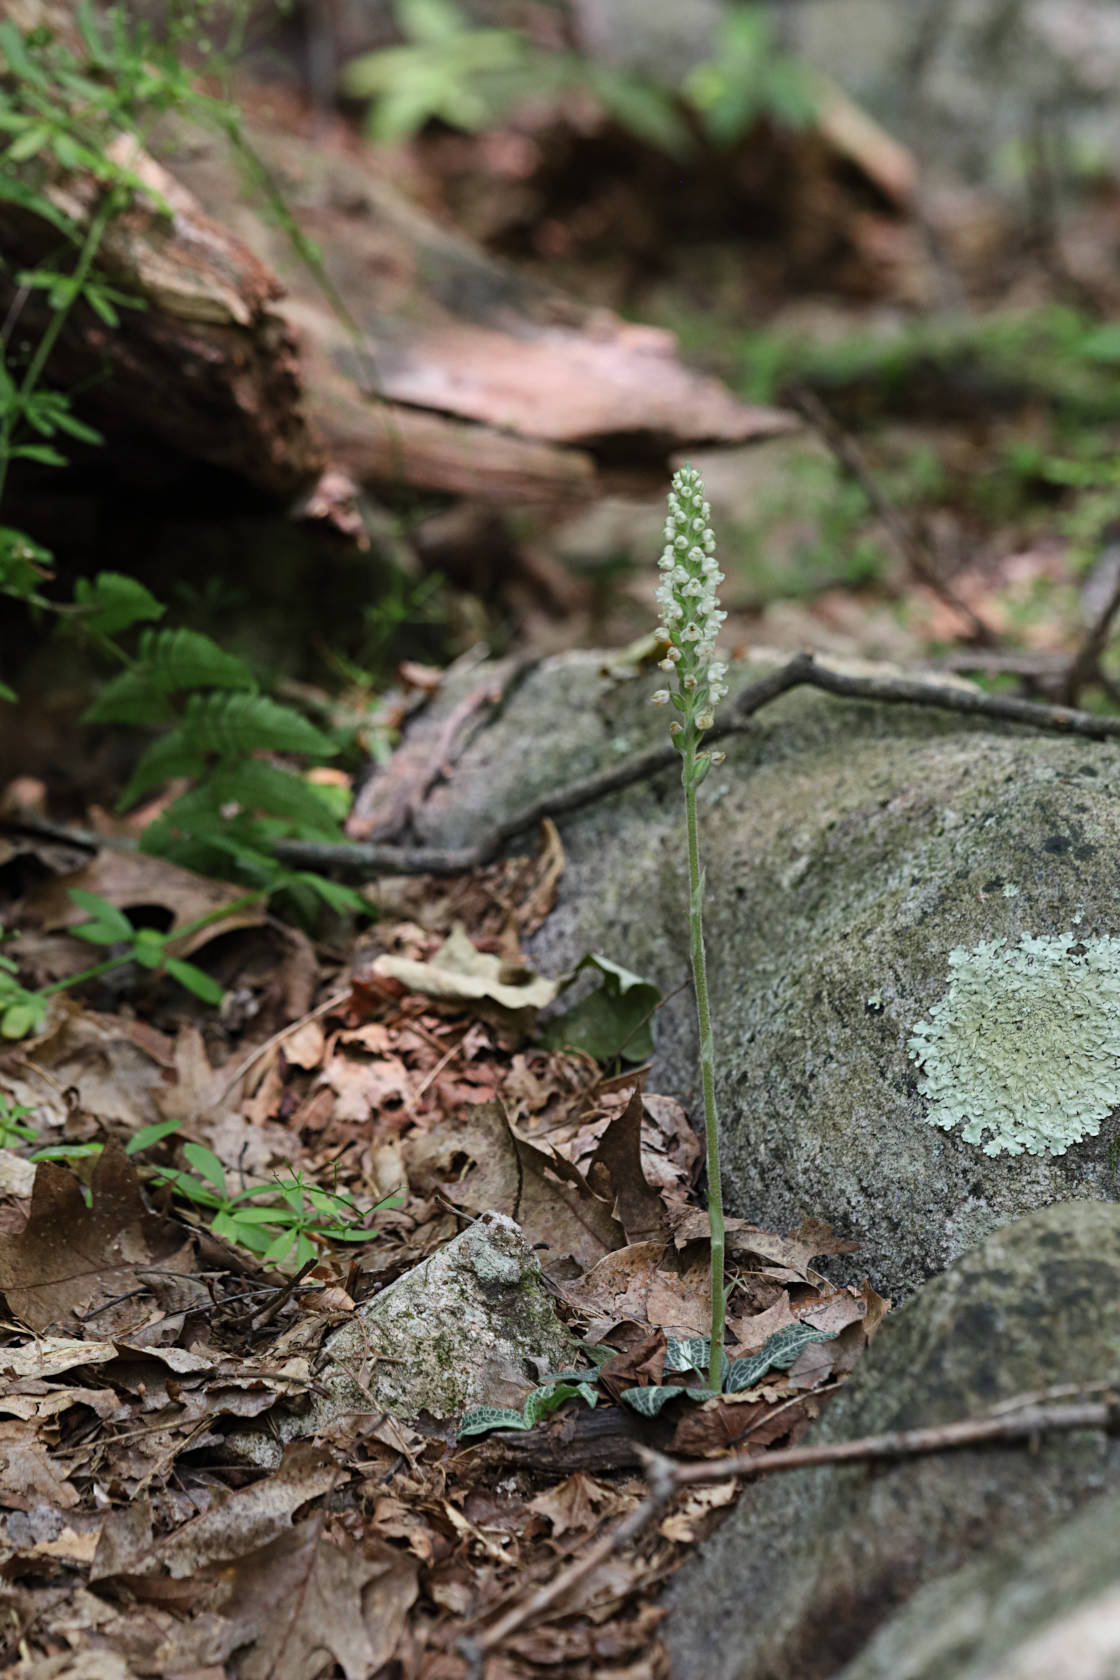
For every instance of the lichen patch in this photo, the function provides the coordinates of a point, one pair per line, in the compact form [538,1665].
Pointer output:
[1023,1051]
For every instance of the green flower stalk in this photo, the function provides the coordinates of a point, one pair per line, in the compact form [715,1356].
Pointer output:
[690,623]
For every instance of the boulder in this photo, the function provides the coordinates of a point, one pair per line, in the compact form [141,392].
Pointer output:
[1053,1610]
[851,849]
[811,1563]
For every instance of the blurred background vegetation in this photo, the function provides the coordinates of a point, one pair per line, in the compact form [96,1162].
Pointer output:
[897,224]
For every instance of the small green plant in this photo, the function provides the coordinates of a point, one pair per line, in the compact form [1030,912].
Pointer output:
[23,1011]
[469,78]
[215,725]
[14,1130]
[1094,509]
[690,623]
[779,1352]
[62,114]
[290,1228]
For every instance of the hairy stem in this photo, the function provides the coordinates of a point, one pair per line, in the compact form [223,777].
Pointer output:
[707,1069]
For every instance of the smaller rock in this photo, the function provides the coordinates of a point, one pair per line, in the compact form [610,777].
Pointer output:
[471,1326]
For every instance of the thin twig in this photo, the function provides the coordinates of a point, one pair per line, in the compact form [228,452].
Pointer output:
[802,670]
[851,460]
[666,1479]
[278,1038]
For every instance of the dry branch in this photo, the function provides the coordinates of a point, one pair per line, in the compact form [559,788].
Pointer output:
[1020,1420]
[804,669]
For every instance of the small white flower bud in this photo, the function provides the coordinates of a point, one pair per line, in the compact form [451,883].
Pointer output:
[660,698]
[704,720]
[718,757]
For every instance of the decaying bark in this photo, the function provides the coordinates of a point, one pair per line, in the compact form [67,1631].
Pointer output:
[441,370]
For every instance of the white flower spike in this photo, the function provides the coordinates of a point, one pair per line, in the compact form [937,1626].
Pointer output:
[690,624]
[690,611]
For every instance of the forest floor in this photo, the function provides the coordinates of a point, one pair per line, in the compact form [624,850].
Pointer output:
[194,1197]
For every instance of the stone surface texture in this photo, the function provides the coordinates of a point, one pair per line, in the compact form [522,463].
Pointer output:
[850,847]
[812,1563]
[470,1326]
[1052,1612]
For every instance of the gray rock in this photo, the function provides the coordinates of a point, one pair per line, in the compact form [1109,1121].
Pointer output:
[1053,1611]
[850,848]
[965,82]
[470,1326]
[812,1563]
[656,38]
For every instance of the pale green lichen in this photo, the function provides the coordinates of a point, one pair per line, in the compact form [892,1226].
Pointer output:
[1023,1050]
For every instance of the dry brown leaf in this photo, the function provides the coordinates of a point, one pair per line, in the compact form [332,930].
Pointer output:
[549,1198]
[296,1605]
[574,1506]
[27,1476]
[639,1362]
[364,1079]
[71,1259]
[17,1176]
[304,1047]
[101,1064]
[236,1524]
[629,1284]
[616,1174]
[670,1147]
[751,1332]
[460,973]
[692,1519]
[737,1422]
[35,1402]
[50,1356]
[787,1257]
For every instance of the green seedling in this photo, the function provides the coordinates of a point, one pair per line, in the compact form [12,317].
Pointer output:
[299,1216]
[23,1011]
[14,1130]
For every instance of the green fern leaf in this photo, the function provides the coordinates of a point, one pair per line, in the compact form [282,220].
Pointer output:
[169,661]
[236,725]
[173,754]
[277,793]
[114,602]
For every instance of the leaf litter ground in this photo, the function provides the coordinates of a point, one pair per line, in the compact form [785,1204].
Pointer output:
[140,1343]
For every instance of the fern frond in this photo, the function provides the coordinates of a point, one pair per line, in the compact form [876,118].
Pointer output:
[169,661]
[277,793]
[236,725]
[172,754]
[114,602]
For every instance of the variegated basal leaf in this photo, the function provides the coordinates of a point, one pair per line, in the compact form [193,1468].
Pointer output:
[481,1418]
[690,1355]
[777,1354]
[649,1401]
